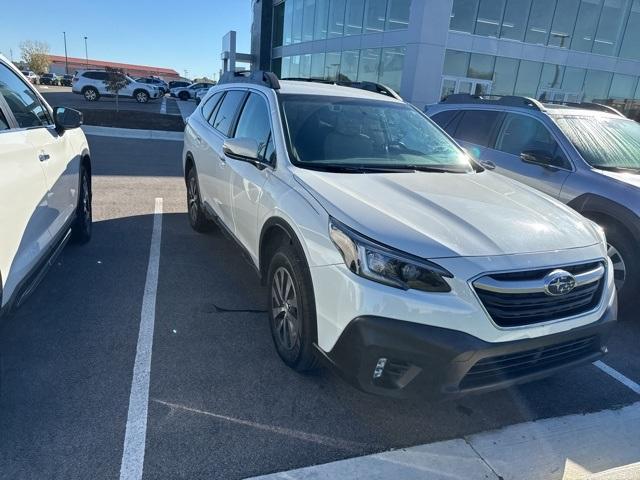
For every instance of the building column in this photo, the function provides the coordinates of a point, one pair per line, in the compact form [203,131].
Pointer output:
[424,60]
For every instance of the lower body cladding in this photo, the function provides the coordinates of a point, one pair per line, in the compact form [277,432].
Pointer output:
[403,359]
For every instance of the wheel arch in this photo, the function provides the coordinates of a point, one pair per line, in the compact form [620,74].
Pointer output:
[600,208]
[189,163]
[275,231]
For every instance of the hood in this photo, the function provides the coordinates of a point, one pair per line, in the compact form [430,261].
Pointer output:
[438,215]
[629,178]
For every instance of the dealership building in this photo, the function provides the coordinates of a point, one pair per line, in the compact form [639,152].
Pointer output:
[560,50]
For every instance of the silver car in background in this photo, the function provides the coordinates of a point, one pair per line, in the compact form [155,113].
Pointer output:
[586,155]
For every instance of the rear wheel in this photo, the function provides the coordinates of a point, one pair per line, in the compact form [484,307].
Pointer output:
[91,94]
[82,226]
[197,218]
[142,96]
[184,95]
[292,316]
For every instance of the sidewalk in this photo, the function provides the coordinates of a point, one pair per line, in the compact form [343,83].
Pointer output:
[602,445]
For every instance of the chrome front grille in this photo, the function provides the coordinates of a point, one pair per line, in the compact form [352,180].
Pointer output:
[522,298]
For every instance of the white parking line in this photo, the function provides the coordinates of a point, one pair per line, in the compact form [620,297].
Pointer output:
[627,382]
[163,106]
[136,431]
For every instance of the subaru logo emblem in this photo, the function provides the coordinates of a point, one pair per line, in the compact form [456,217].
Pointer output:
[559,282]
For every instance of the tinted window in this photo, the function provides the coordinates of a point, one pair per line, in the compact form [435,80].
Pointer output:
[24,104]
[521,133]
[255,123]
[96,75]
[476,126]
[443,118]
[227,111]
[4,125]
[210,105]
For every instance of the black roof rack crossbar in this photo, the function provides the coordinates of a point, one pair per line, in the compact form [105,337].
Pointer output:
[257,77]
[508,100]
[369,86]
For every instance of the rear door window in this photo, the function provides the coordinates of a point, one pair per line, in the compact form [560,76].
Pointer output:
[477,126]
[226,114]
[444,118]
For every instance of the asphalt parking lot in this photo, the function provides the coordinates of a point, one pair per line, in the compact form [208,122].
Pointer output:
[221,403]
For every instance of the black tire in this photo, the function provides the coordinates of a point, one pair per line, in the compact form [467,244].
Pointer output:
[184,96]
[82,225]
[197,217]
[628,298]
[141,96]
[90,94]
[298,315]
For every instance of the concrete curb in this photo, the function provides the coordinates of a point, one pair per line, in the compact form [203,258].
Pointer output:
[132,133]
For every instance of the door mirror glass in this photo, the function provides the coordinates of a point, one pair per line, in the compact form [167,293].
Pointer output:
[66,118]
[241,149]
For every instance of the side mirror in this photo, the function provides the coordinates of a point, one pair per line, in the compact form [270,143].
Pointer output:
[241,149]
[66,118]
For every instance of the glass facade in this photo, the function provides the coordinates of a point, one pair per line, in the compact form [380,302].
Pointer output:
[606,27]
[297,21]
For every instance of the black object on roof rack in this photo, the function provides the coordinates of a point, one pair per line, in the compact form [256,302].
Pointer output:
[507,100]
[257,77]
[369,86]
[589,106]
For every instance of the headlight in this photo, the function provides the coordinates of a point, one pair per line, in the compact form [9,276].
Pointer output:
[385,265]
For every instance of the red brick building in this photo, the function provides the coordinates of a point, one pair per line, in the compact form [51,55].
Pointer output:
[58,66]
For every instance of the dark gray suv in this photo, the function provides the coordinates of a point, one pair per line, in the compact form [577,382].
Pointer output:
[586,155]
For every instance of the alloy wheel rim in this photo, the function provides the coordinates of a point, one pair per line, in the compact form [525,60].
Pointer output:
[193,199]
[142,97]
[86,204]
[619,267]
[284,308]
[91,95]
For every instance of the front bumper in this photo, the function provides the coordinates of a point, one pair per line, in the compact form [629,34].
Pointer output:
[428,361]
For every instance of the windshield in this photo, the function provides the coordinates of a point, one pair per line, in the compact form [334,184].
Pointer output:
[337,132]
[604,142]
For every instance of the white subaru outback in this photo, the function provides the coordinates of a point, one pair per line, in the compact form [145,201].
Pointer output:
[387,252]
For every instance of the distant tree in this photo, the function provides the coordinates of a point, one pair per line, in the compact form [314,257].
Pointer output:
[36,55]
[203,80]
[116,81]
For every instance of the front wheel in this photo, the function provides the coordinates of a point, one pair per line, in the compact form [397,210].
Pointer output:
[626,267]
[197,218]
[82,226]
[142,96]
[292,316]
[91,94]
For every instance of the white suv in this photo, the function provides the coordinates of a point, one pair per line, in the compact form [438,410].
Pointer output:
[45,185]
[92,85]
[387,252]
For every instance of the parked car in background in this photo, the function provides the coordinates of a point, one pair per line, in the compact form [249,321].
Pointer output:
[92,85]
[187,93]
[31,76]
[200,94]
[178,83]
[586,155]
[161,84]
[388,253]
[45,185]
[66,80]
[49,79]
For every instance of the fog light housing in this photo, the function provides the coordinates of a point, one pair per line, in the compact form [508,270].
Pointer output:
[379,370]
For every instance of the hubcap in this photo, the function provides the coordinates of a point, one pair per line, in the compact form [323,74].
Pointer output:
[193,199]
[619,267]
[284,307]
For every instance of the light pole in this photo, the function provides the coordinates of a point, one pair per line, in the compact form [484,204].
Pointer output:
[66,59]
[86,52]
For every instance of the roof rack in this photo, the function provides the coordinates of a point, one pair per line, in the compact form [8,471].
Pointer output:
[257,77]
[589,106]
[368,86]
[508,100]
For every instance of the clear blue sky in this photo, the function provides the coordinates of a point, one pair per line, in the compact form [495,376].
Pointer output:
[176,34]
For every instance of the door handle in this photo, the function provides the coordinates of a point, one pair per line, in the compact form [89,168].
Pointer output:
[223,162]
[488,164]
[44,156]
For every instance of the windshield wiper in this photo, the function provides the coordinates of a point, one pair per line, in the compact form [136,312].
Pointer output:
[610,168]
[433,168]
[341,168]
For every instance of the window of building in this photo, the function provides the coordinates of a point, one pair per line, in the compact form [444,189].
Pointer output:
[353,17]
[391,65]
[463,15]
[349,65]
[255,123]
[551,77]
[610,26]
[375,13]
[622,86]
[288,19]
[369,66]
[540,17]
[456,63]
[278,24]
[596,85]
[504,76]
[489,17]
[308,18]
[515,18]
[481,66]
[586,24]
[332,65]
[336,18]
[294,66]
[573,79]
[528,78]
[317,66]
[286,64]
[398,14]
[305,66]
[321,21]
[227,111]
[476,126]
[276,66]
[296,26]
[564,21]
[631,39]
